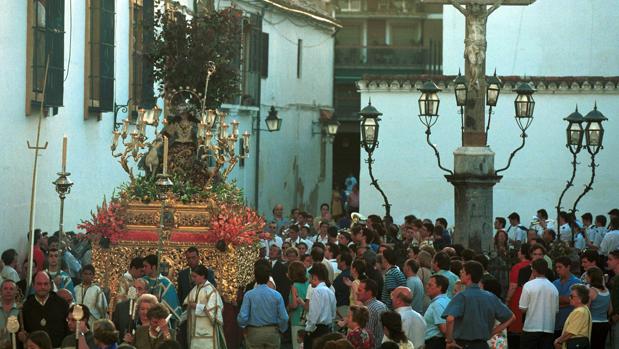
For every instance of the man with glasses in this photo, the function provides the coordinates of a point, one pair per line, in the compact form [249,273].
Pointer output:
[537,252]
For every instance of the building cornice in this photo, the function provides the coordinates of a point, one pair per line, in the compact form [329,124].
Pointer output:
[543,84]
[309,12]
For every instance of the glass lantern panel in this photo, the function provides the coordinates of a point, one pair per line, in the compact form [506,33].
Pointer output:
[433,103]
[493,95]
[369,126]
[460,96]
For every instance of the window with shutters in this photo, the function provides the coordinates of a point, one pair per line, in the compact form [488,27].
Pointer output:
[99,60]
[141,40]
[45,48]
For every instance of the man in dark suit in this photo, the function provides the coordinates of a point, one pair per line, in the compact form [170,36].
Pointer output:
[45,311]
[280,272]
[121,315]
[184,284]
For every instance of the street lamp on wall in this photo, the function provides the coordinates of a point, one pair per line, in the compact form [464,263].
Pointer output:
[594,135]
[273,122]
[369,124]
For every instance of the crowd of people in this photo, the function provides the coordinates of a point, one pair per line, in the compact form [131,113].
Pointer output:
[340,283]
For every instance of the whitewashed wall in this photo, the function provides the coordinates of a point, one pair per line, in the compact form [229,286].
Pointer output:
[406,166]
[92,168]
[548,38]
[289,159]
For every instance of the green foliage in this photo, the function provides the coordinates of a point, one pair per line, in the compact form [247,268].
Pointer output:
[144,189]
[183,46]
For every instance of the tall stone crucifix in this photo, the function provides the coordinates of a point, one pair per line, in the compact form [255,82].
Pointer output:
[474,175]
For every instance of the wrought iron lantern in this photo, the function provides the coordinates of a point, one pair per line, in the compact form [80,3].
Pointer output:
[460,90]
[574,130]
[429,103]
[332,127]
[493,89]
[524,105]
[594,132]
[369,127]
[273,122]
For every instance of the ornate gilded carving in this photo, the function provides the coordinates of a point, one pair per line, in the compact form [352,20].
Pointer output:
[233,268]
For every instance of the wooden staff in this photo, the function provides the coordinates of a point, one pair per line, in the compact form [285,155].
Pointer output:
[33,192]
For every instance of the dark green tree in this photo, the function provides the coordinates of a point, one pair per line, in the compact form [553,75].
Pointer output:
[184,44]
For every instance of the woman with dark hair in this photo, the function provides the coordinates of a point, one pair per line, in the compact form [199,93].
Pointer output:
[392,329]
[38,340]
[86,338]
[298,275]
[356,321]
[599,306]
[501,241]
[357,271]
[577,327]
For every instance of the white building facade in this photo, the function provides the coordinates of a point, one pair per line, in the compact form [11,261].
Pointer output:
[291,161]
[566,50]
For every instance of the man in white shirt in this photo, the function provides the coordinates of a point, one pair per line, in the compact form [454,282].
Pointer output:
[516,232]
[322,306]
[9,258]
[413,323]
[540,302]
[610,242]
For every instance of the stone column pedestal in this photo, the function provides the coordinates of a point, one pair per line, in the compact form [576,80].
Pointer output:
[473,180]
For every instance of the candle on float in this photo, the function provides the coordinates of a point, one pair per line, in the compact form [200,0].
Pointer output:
[116,136]
[64,153]
[165,155]
[125,126]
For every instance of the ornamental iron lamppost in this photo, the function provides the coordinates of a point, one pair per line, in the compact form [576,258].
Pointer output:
[594,134]
[428,113]
[474,173]
[574,144]
[524,105]
[369,141]
[493,90]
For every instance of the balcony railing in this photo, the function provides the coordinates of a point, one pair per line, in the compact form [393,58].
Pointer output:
[426,59]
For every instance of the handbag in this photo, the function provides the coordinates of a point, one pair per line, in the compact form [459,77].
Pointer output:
[577,343]
[580,342]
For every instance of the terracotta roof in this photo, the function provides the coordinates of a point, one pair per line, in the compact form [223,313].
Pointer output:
[552,84]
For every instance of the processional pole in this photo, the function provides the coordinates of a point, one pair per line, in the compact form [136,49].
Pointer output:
[33,191]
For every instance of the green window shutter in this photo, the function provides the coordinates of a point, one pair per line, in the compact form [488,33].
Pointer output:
[54,48]
[264,55]
[106,51]
[148,98]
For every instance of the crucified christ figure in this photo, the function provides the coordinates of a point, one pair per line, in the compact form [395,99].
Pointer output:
[476,13]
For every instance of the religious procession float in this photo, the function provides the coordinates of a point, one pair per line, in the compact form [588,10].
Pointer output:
[178,195]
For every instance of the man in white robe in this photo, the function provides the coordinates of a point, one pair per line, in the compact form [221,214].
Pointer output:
[205,317]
